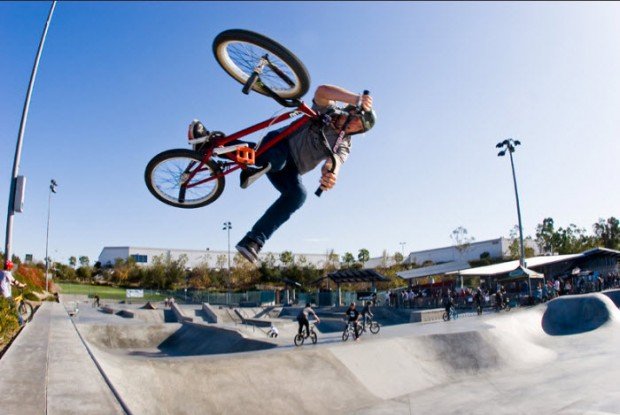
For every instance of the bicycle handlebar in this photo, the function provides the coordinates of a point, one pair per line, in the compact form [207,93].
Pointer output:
[341,134]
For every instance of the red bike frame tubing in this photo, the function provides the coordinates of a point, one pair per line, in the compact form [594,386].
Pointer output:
[308,113]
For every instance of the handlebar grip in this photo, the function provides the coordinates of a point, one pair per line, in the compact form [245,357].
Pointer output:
[319,192]
[366,92]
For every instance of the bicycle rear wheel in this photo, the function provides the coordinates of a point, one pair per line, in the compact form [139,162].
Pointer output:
[25,311]
[445,316]
[181,178]
[239,52]
[299,339]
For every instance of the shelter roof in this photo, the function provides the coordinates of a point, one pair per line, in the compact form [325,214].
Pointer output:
[506,267]
[433,270]
[356,275]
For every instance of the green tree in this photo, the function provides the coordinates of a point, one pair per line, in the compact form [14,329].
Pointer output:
[348,259]
[363,256]
[84,273]
[398,257]
[73,261]
[287,258]
[545,236]
[84,261]
[607,233]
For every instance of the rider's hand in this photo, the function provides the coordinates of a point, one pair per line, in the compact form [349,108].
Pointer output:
[328,180]
[366,102]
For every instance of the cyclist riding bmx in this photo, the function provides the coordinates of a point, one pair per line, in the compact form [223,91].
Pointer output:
[302,319]
[286,162]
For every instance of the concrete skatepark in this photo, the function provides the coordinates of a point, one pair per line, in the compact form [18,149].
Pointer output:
[559,358]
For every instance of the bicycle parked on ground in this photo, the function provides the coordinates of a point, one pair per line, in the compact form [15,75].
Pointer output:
[452,316]
[300,338]
[24,308]
[194,178]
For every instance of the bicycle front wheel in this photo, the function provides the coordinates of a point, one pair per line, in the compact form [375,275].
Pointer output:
[240,51]
[314,337]
[25,311]
[445,316]
[345,335]
[375,327]
[181,178]
[299,340]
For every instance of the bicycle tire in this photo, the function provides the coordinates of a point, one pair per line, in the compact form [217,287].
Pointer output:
[313,337]
[345,335]
[299,339]
[245,47]
[163,179]
[375,327]
[25,311]
[445,316]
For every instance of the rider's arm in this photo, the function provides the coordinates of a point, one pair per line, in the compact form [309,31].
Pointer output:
[315,316]
[329,94]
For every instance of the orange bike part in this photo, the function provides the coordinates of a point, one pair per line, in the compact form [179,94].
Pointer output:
[245,155]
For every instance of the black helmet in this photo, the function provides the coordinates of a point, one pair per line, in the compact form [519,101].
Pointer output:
[307,304]
[368,118]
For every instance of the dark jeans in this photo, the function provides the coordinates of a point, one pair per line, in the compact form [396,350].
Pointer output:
[286,179]
[304,322]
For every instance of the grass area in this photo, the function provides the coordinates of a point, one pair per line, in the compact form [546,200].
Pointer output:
[105,292]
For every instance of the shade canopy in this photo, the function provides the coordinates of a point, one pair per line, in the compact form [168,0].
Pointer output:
[356,275]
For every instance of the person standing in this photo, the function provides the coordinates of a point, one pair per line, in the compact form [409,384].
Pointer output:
[6,282]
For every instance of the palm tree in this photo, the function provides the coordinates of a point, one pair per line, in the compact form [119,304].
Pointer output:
[348,259]
[73,261]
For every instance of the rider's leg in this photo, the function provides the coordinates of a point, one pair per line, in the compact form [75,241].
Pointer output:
[356,329]
[292,196]
[307,324]
[301,324]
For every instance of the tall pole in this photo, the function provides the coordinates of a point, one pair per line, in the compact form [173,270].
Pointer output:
[228,227]
[402,246]
[18,149]
[509,146]
[53,185]
[514,179]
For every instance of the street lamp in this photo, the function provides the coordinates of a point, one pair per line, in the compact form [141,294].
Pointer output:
[53,186]
[402,248]
[228,227]
[509,145]
[20,137]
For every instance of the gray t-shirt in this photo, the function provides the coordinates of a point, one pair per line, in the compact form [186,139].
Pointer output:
[306,147]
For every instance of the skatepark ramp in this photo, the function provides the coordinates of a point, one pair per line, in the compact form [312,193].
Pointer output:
[579,313]
[159,340]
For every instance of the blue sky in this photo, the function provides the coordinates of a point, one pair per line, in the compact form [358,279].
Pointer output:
[120,82]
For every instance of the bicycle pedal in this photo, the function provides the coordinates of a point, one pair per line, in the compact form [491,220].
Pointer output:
[245,155]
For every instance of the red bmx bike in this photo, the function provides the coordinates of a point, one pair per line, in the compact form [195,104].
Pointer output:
[192,178]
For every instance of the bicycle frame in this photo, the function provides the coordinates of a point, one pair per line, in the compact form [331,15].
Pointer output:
[307,113]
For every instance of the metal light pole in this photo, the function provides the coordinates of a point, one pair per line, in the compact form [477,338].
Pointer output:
[402,247]
[53,185]
[20,137]
[509,145]
[228,227]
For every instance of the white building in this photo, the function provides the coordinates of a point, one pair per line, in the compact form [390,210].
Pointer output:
[496,248]
[213,259]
